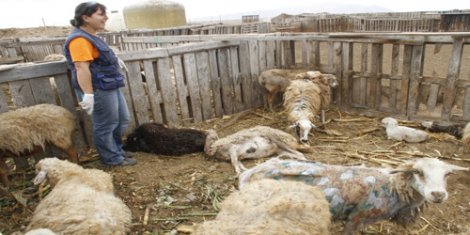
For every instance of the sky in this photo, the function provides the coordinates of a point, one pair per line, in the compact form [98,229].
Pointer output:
[34,13]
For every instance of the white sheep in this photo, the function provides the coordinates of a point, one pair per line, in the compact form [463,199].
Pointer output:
[26,131]
[363,195]
[82,201]
[403,133]
[256,142]
[276,80]
[303,100]
[271,207]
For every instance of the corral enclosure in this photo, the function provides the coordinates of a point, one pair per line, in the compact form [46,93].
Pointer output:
[197,80]
[199,77]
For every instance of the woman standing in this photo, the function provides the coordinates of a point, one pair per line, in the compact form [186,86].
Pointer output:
[96,77]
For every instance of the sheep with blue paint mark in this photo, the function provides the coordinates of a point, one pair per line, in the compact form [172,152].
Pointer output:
[364,195]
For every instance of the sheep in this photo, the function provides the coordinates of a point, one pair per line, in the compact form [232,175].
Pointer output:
[26,131]
[466,136]
[158,139]
[54,57]
[455,130]
[255,142]
[82,201]
[271,207]
[403,133]
[364,195]
[276,80]
[303,100]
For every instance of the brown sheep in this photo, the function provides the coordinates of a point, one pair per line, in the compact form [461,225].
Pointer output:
[26,131]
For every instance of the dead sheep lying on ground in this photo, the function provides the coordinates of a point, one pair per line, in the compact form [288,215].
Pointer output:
[303,101]
[364,195]
[82,201]
[252,143]
[26,131]
[157,139]
[271,207]
[403,133]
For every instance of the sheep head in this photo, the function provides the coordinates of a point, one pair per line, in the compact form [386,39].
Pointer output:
[53,169]
[332,81]
[428,177]
[389,122]
[302,129]
[211,137]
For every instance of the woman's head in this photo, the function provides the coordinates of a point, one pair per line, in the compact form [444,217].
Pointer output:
[85,11]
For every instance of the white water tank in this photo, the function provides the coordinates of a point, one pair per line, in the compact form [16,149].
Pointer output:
[154,14]
[115,21]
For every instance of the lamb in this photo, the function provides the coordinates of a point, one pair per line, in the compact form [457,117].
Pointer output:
[271,207]
[82,201]
[276,80]
[363,195]
[157,139]
[26,131]
[255,142]
[303,100]
[403,133]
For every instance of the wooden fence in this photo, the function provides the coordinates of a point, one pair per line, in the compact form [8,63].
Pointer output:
[390,74]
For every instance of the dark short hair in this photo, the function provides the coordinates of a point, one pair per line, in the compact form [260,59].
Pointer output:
[85,8]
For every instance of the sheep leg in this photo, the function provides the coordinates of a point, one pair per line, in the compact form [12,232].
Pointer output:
[235,162]
[4,172]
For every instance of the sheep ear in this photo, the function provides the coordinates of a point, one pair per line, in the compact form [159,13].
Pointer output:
[293,126]
[313,126]
[40,177]
[457,168]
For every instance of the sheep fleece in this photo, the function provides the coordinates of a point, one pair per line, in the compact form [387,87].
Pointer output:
[271,207]
[25,128]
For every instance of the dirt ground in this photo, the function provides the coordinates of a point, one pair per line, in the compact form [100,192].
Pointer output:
[187,190]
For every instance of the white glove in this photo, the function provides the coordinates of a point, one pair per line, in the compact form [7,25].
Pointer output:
[122,65]
[87,103]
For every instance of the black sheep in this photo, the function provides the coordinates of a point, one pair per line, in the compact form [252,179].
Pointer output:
[452,129]
[158,139]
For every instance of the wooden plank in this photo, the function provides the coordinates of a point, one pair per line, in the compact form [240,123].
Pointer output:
[42,90]
[262,55]
[256,98]
[394,82]
[415,79]
[452,76]
[331,52]
[373,96]
[21,93]
[279,54]
[305,49]
[191,74]
[407,56]
[138,94]
[168,92]
[338,66]
[315,54]
[362,80]
[182,88]
[270,54]
[154,94]
[433,94]
[226,82]
[215,84]
[346,81]
[202,59]
[245,72]
[466,104]
[235,74]
[33,71]
[3,102]
[68,101]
